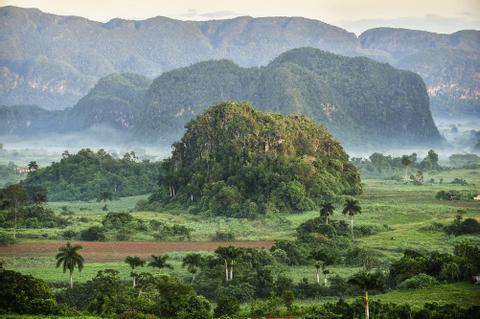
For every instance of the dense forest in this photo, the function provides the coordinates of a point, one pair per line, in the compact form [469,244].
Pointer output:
[236,161]
[341,93]
[88,174]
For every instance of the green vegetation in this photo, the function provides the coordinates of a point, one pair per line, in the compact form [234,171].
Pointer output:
[235,161]
[338,92]
[88,174]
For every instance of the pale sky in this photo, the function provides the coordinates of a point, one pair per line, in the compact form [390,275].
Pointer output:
[443,16]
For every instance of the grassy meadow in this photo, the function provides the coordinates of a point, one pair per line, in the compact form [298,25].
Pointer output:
[405,211]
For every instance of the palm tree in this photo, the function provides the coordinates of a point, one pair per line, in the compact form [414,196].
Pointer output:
[351,208]
[134,262]
[366,281]
[70,258]
[160,262]
[229,255]
[192,262]
[326,210]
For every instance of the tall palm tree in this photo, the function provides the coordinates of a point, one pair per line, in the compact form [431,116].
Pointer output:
[322,258]
[70,258]
[192,262]
[229,255]
[327,209]
[366,281]
[160,262]
[134,262]
[351,208]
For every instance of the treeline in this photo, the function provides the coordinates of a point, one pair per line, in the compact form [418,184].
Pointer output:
[404,166]
[233,276]
[87,174]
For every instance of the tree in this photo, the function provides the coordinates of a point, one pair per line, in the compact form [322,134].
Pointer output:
[14,198]
[229,255]
[103,197]
[406,162]
[326,211]
[351,208]
[323,257]
[366,281]
[160,262]
[192,262]
[70,258]
[134,262]
[32,166]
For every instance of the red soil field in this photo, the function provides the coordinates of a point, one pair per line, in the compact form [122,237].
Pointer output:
[118,250]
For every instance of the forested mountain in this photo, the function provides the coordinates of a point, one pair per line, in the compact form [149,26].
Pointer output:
[236,161]
[357,99]
[448,63]
[52,60]
[114,102]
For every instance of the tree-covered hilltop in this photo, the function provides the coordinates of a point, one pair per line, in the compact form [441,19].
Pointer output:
[113,101]
[88,174]
[357,99]
[236,161]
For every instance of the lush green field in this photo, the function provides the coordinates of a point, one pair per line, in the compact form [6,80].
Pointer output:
[407,210]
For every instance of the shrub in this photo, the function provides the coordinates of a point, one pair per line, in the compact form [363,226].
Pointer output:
[224,236]
[6,239]
[418,281]
[69,234]
[94,233]
[227,305]
[448,195]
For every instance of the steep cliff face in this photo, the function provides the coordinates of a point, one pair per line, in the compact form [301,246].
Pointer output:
[357,99]
[448,63]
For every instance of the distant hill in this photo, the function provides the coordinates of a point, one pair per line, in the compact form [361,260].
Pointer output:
[357,99]
[236,161]
[113,102]
[52,61]
[448,63]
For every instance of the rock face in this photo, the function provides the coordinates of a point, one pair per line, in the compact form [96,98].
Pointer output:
[236,161]
[357,99]
[448,63]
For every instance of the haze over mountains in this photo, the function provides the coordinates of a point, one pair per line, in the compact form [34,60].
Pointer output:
[52,61]
[360,101]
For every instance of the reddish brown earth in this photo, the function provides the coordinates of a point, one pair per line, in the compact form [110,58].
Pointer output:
[118,250]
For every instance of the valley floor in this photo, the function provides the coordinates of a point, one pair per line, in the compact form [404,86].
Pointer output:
[405,213]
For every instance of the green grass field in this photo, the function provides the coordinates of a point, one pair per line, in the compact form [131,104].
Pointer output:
[407,210]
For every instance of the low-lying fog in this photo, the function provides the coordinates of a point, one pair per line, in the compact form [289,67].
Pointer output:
[461,136]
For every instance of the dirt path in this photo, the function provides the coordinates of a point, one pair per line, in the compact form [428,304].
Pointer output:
[117,251]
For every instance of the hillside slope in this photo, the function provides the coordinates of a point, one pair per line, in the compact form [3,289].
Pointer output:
[448,63]
[52,60]
[236,161]
[357,99]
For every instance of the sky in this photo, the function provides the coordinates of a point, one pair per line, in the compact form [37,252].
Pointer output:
[443,16]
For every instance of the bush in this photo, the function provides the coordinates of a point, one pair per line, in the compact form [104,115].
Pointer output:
[227,305]
[6,239]
[224,236]
[418,281]
[94,233]
[449,195]
[69,234]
